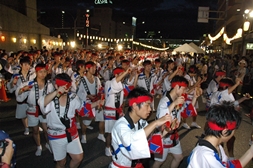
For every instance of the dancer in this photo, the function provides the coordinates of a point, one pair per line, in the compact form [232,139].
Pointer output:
[129,134]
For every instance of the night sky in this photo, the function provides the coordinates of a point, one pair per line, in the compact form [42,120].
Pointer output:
[173,18]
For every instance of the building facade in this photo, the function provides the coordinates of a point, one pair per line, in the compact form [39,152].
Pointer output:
[231,16]
[19,29]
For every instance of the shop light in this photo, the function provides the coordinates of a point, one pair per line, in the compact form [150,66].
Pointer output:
[72,44]
[2,38]
[14,40]
[246,26]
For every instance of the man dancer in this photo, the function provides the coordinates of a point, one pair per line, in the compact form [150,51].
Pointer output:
[114,96]
[147,80]
[90,88]
[174,104]
[129,134]
[213,86]
[59,107]
[224,93]
[23,76]
[35,89]
[222,120]
[193,84]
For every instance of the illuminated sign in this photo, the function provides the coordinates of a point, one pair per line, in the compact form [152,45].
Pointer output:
[249,46]
[87,22]
[99,2]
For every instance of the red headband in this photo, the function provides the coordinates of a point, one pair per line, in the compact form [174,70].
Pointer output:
[192,70]
[60,82]
[139,99]
[220,73]
[179,84]
[221,84]
[89,65]
[182,69]
[118,71]
[230,125]
[39,68]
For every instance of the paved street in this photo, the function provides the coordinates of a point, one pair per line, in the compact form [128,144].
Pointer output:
[94,150]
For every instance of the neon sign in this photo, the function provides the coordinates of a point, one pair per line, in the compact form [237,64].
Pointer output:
[99,2]
[87,22]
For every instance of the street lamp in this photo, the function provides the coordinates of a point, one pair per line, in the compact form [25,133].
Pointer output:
[74,19]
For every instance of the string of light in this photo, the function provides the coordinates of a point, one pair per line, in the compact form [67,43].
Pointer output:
[151,47]
[121,40]
[225,37]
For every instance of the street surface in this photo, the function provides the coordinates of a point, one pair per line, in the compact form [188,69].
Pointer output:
[94,156]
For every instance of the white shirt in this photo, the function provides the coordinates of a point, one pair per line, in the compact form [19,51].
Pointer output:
[132,143]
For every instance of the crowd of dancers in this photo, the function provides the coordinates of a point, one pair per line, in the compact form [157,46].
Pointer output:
[61,91]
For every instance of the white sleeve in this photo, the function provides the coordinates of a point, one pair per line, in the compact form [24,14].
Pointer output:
[115,87]
[130,82]
[22,96]
[162,108]
[106,75]
[11,90]
[73,83]
[136,140]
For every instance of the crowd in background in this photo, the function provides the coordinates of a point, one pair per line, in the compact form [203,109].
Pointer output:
[132,64]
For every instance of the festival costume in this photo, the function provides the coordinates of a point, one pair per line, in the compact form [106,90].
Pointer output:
[21,105]
[159,76]
[61,124]
[171,143]
[192,81]
[13,69]
[205,155]
[129,142]
[148,83]
[212,88]
[34,114]
[107,74]
[60,70]
[220,96]
[166,85]
[56,71]
[84,88]
[114,96]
